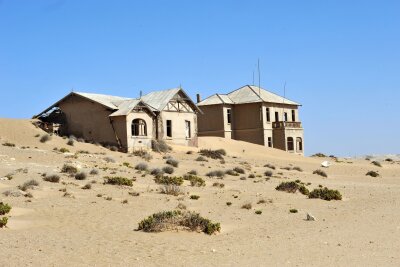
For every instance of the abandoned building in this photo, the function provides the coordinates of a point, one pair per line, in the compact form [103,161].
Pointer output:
[128,123]
[254,115]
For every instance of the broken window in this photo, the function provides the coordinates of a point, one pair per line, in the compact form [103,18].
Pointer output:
[268,114]
[229,115]
[290,144]
[187,129]
[169,128]
[139,127]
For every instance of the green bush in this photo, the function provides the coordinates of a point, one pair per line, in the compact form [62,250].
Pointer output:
[194,180]
[213,154]
[171,220]
[252,176]
[220,185]
[63,150]
[201,158]
[53,178]
[373,174]
[194,197]
[8,144]
[292,187]
[172,162]
[319,155]
[325,194]
[169,180]
[3,222]
[118,181]
[69,169]
[192,172]
[4,208]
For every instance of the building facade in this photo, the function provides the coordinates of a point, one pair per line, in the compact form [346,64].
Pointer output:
[254,115]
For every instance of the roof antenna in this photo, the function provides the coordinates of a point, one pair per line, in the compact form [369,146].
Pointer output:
[253,78]
[141,94]
[259,77]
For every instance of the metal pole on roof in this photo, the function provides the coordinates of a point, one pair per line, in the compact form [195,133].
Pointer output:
[259,77]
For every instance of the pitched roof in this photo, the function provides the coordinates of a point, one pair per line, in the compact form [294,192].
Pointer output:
[128,105]
[246,94]
[106,100]
[159,99]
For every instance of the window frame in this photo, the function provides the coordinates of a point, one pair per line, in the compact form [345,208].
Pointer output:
[168,128]
[138,127]
[268,114]
[229,115]
[290,143]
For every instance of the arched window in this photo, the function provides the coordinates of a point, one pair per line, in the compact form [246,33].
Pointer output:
[290,144]
[299,142]
[139,127]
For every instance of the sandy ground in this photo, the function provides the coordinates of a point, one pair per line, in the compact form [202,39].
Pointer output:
[85,230]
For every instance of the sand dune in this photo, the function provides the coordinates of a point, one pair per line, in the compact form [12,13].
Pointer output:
[83,229]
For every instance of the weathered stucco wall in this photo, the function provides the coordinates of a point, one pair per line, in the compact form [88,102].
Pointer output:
[248,123]
[211,122]
[179,127]
[137,142]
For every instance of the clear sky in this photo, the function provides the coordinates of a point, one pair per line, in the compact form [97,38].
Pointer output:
[340,59]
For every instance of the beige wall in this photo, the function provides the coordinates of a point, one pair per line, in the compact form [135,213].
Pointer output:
[137,142]
[247,120]
[214,126]
[88,120]
[179,127]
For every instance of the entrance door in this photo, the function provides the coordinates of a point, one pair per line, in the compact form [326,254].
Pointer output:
[187,129]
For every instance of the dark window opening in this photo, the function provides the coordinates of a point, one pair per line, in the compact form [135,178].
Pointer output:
[268,115]
[290,144]
[188,129]
[169,128]
[269,141]
[229,115]
[139,127]
[299,142]
[293,115]
[276,116]
[286,116]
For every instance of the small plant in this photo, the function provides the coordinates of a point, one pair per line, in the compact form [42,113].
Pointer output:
[127,164]
[118,181]
[194,180]
[258,212]
[286,168]
[239,170]
[94,172]
[28,185]
[247,206]
[213,154]
[157,172]
[192,172]
[3,222]
[171,189]
[63,150]
[373,174]
[109,160]
[194,197]
[268,173]
[87,186]
[320,173]
[8,144]
[71,142]
[217,173]
[4,208]
[181,206]
[168,170]
[298,169]
[201,158]
[229,204]
[319,155]
[220,185]
[69,169]
[292,187]
[231,172]
[171,220]
[272,167]
[53,178]
[80,176]
[45,138]
[325,194]
[160,146]
[389,160]
[376,163]
[173,162]
[142,167]
[168,180]
[134,194]
[293,211]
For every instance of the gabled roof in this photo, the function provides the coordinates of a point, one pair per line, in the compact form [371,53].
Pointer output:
[246,94]
[106,100]
[128,105]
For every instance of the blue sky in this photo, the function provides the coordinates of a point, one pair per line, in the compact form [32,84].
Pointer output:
[340,59]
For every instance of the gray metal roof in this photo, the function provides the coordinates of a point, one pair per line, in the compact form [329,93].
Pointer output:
[125,107]
[106,100]
[159,99]
[246,94]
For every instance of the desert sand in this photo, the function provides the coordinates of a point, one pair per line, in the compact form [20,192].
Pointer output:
[48,229]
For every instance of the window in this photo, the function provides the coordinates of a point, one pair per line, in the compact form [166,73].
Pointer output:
[169,128]
[299,142]
[268,115]
[187,129]
[269,141]
[229,115]
[276,116]
[293,115]
[139,127]
[286,116]
[290,145]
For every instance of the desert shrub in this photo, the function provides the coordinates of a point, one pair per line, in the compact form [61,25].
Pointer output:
[292,187]
[171,220]
[372,174]
[270,166]
[80,176]
[87,186]
[239,170]
[220,185]
[252,176]
[118,181]
[8,144]
[171,189]
[71,142]
[190,152]
[157,172]
[126,164]
[194,180]
[143,154]
[201,158]
[268,173]
[319,155]
[53,178]
[194,197]
[258,212]
[304,190]
[192,172]
[63,150]
[69,169]
[229,204]
[293,211]
[134,194]
[109,160]
[325,194]
[45,138]
[320,173]
[286,168]
[168,170]
[217,173]
[142,167]
[173,162]
[247,206]
[376,163]
[160,146]
[298,169]
[28,185]
[181,206]
[389,160]
[231,172]
[214,154]
[4,208]
[3,222]
[168,180]
[94,172]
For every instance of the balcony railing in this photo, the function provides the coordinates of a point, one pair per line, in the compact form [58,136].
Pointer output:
[286,124]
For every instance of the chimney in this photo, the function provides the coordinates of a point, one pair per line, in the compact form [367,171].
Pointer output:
[198,98]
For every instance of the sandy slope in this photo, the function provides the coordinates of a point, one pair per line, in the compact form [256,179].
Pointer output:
[52,230]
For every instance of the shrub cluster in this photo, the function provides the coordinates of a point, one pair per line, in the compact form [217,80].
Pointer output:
[169,180]
[172,220]
[143,154]
[28,185]
[325,194]
[320,173]
[118,181]
[160,146]
[69,169]
[194,180]
[373,174]
[142,167]
[45,138]
[214,154]
[52,178]
[292,187]
[217,173]
[172,162]
[270,166]
[168,169]
[170,189]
